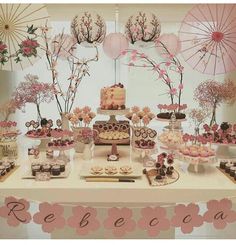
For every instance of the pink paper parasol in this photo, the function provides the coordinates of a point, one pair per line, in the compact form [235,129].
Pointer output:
[207,36]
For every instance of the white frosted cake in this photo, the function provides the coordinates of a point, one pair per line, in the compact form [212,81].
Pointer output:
[113,98]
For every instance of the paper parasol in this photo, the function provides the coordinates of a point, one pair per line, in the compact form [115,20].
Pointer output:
[20,37]
[207,36]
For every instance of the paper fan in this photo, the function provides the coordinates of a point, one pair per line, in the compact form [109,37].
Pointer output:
[208,38]
[20,37]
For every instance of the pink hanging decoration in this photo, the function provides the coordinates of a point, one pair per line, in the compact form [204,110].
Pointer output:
[115,44]
[15,211]
[50,216]
[207,36]
[171,42]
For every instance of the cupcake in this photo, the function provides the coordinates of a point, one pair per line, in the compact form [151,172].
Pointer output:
[232,171]
[12,164]
[7,166]
[2,171]
[227,167]
[46,168]
[35,169]
[222,164]
[56,170]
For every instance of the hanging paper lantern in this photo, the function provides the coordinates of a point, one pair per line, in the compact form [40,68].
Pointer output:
[114,44]
[63,45]
[171,42]
[142,27]
[89,29]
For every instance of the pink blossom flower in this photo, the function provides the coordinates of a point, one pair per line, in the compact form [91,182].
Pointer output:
[146,110]
[171,56]
[50,216]
[156,67]
[124,52]
[120,221]
[187,217]
[15,211]
[168,63]
[84,220]
[27,51]
[180,69]
[215,127]
[154,220]
[160,106]
[173,91]
[2,47]
[168,81]
[181,86]
[134,52]
[162,73]
[143,56]
[220,213]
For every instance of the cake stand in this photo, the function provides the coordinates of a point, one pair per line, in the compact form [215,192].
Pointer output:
[62,155]
[145,153]
[113,114]
[177,123]
[196,164]
[114,151]
[223,151]
[43,141]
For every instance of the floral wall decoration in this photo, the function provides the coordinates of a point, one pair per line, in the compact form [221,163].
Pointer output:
[88,29]
[143,27]
[164,70]
[33,91]
[211,94]
[62,47]
[19,40]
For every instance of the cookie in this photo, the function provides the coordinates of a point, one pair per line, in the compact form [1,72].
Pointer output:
[111,170]
[96,170]
[126,169]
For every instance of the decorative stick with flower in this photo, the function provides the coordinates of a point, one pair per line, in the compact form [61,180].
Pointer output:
[81,117]
[140,117]
[63,46]
[163,70]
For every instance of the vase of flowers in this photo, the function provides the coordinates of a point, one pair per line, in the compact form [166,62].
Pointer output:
[88,136]
[80,120]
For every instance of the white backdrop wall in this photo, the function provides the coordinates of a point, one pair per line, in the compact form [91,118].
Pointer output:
[142,87]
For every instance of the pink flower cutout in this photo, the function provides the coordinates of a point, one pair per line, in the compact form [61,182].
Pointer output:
[187,217]
[154,220]
[83,220]
[173,91]
[162,73]
[120,221]
[168,63]
[50,217]
[181,86]
[124,52]
[15,211]
[220,213]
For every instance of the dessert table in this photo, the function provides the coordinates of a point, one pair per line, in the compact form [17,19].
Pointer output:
[190,187]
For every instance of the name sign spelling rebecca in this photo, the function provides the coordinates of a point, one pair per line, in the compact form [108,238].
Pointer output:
[118,221]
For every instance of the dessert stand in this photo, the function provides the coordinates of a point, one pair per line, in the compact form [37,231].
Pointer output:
[145,154]
[112,114]
[196,164]
[62,155]
[114,155]
[223,151]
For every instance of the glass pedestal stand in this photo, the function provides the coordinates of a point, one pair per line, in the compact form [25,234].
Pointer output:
[224,151]
[62,155]
[112,114]
[145,155]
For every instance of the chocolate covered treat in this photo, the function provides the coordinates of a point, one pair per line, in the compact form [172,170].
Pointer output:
[167,115]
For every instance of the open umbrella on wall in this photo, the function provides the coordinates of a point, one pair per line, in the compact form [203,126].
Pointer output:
[208,38]
[20,38]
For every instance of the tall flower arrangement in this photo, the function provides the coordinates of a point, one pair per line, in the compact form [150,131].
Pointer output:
[211,94]
[63,46]
[163,68]
[33,91]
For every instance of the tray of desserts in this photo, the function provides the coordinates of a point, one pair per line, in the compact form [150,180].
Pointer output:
[7,168]
[61,144]
[111,170]
[56,169]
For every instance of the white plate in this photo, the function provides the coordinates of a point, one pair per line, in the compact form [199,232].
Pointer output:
[28,174]
[136,173]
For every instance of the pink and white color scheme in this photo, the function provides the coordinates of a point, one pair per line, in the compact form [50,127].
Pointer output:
[114,44]
[207,36]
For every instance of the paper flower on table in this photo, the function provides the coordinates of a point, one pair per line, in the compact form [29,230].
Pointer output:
[84,220]
[153,220]
[120,221]
[139,116]
[187,217]
[220,213]
[15,211]
[50,216]
[3,53]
